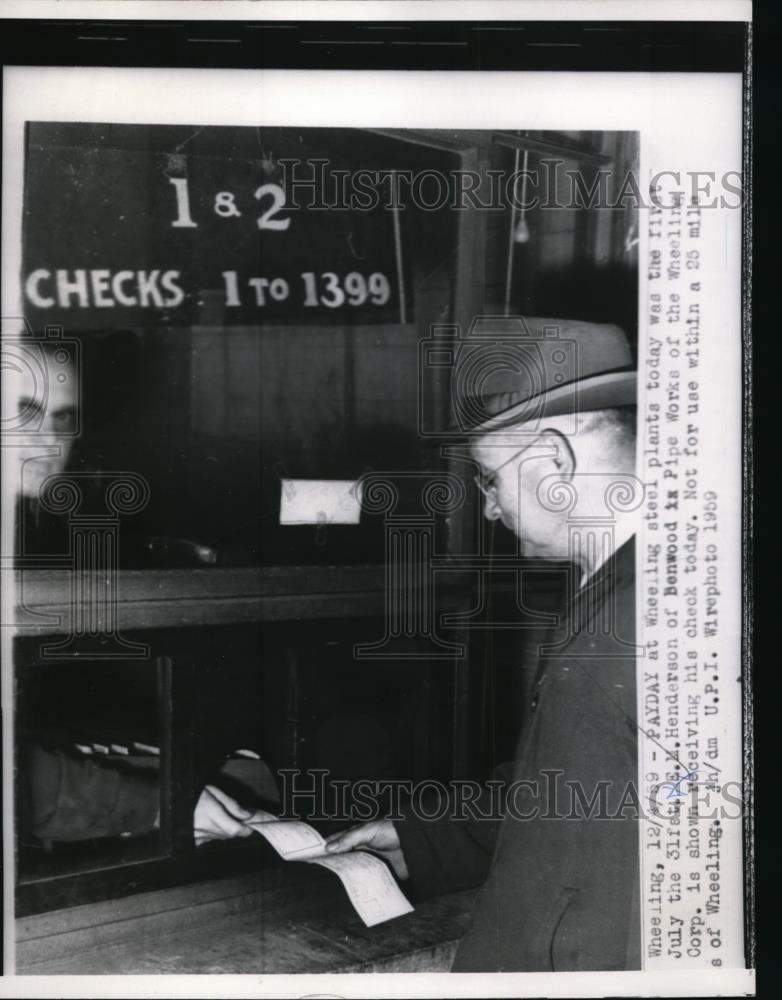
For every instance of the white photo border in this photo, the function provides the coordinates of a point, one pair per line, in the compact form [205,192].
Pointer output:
[552,101]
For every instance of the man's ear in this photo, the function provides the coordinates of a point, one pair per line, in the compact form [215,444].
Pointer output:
[564,459]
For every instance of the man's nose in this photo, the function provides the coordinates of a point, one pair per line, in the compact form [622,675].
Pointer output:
[491,509]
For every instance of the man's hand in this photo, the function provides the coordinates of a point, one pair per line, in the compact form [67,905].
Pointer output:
[379,836]
[218,817]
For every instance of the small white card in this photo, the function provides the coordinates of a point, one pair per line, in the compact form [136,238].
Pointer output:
[320,501]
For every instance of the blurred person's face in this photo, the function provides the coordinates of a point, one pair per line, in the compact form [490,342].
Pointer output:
[51,417]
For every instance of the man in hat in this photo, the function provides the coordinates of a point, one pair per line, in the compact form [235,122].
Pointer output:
[558,864]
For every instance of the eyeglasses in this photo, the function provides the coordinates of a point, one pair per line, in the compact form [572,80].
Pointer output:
[487,484]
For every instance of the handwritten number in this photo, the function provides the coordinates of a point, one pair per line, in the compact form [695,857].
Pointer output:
[356,287]
[183,220]
[231,289]
[379,289]
[310,292]
[332,286]
[277,195]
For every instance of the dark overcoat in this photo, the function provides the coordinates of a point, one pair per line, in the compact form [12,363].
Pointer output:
[560,867]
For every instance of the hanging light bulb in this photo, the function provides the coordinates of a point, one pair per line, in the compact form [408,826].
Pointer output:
[521,232]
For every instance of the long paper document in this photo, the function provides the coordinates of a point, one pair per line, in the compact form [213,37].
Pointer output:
[368,882]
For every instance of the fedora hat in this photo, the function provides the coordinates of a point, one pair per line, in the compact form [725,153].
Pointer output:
[512,370]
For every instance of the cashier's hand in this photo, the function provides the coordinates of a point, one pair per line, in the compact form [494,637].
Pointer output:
[218,817]
[379,836]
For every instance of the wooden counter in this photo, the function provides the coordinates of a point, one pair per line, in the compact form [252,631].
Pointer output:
[47,600]
[238,925]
